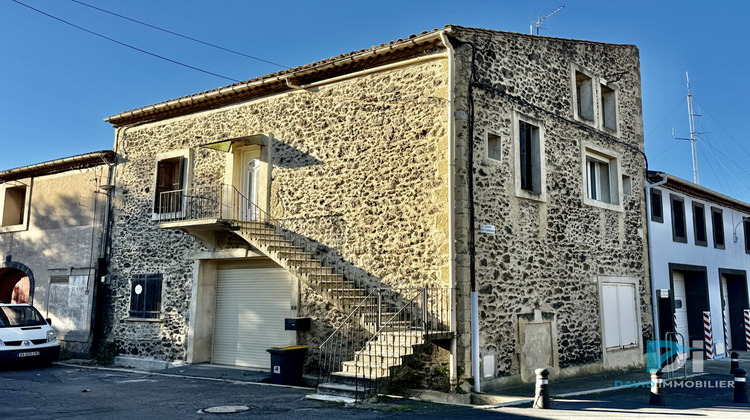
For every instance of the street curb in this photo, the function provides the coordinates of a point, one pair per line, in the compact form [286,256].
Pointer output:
[172,375]
[617,388]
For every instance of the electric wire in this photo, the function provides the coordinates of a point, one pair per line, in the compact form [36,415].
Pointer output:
[124,44]
[672,146]
[721,179]
[729,159]
[666,116]
[722,127]
[179,34]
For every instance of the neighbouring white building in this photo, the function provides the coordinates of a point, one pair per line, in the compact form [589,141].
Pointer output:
[700,257]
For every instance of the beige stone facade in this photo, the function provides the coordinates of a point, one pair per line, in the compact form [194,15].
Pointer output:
[51,240]
[367,156]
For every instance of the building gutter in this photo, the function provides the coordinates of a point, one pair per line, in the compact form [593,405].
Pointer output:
[654,298]
[451,204]
[286,78]
[59,165]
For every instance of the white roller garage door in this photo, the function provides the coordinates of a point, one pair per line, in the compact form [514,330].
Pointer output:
[251,304]
[681,317]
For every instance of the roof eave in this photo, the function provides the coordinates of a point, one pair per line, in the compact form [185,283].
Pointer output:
[226,92]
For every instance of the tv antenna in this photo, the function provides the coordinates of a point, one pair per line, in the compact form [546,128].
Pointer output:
[541,19]
[693,134]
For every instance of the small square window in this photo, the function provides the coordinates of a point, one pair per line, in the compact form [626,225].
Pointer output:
[699,224]
[584,91]
[494,147]
[14,206]
[145,296]
[609,108]
[657,210]
[679,230]
[717,224]
[627,185]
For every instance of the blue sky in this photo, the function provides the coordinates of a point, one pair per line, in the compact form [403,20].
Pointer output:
[58,82]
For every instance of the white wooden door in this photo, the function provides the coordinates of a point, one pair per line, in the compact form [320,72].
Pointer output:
[251,304]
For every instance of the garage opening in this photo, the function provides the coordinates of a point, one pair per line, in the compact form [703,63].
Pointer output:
[734,301]
[690,288]
[251,305]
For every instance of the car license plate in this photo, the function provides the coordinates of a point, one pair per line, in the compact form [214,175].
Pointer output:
[28,353]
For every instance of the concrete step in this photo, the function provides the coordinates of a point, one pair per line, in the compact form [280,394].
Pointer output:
[342,390]
[351,379]
[372,357]
[369,371]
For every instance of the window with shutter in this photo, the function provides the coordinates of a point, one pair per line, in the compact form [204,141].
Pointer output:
[619,315]
[170,174]
[145,296]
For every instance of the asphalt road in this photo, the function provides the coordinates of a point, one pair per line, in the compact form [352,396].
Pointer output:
[64,392]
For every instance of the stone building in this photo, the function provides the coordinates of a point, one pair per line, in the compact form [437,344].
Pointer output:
[375,194]
[52,239]
[700,256]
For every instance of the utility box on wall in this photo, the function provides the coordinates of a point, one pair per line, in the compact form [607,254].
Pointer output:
[297,324]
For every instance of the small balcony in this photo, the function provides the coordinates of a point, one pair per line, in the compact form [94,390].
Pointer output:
[204,208]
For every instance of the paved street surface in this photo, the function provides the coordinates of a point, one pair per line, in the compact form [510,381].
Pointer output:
[70,392]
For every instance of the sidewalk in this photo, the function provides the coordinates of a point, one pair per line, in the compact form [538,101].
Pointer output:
[610,381]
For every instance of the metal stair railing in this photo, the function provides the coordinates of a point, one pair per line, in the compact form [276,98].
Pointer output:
[225,203]
[425,309]
[375,341]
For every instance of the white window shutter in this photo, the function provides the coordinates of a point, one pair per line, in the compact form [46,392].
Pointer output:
[610,310]
[628,316]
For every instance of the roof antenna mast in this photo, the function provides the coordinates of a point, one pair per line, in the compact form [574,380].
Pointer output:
[541,19]
[693,134]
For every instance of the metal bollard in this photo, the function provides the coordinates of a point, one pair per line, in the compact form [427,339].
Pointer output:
[541,397]
[657,383]
[735,362]
[740,386]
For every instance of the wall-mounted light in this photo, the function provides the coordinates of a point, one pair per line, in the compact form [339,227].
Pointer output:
[107,188]
[734,232]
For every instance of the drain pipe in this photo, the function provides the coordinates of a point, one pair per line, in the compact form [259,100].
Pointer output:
[475,341]
[474,296]
[451,205]
[654,298]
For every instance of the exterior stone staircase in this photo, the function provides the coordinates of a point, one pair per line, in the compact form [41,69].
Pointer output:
[392,333]
[383,325]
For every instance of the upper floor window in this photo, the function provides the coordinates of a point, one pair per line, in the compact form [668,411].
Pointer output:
[746,224]
[594,101]
[699,224]
[679,230]
[14,205]
[529,158]
[657,209]
[584,96]
[601,173]
[717,225]
[172,170]
[609,107]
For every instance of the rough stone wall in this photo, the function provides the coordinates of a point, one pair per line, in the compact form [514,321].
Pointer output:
[544,255]
[359,166]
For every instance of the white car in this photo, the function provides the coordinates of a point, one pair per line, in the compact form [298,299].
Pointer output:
[25,335]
